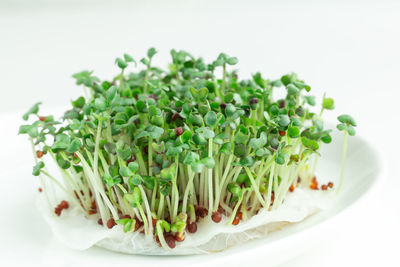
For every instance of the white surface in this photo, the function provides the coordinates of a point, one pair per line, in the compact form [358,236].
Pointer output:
[348,49]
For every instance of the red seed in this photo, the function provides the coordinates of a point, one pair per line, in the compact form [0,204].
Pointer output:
[42,118]
[64,204]
[239,214]
[39,154]
[131,159]
[111,223]
[154,222]
[330,184]
[178,131]
[282,133]
[93,205]
[40,189]
[253,101]
[236,221]
[91,212]
[127,216]
[170,241]
[57,211]
[324,187]
[291,188]
[100,221]
[175,116]
[216,216]
[192,227]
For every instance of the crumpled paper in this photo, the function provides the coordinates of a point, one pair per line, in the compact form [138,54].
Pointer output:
[80,233]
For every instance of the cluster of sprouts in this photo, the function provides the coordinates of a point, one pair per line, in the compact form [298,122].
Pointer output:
[156,151]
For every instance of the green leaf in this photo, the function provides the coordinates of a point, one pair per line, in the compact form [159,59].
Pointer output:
[347,119]
[149,182]
[155,131]
[211,119]
[310,100]
[100,104]
[37,168]
[151,52]
[125,172]
[74,146]
[128,58]
[311,144]
[283,120]
[247,162]
[135,180]
[328,103]
[351,130]
[133,166]
[341,127]
[208,162]
[61,142]
[293,132]
[292,89]
[191,157]
[205,132]
[79,103]
[121,63]
[256,143]
[241,138]
[33,110]
[232,61]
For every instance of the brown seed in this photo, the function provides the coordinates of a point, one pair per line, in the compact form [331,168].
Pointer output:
[282,104]
[236,221]
[127,216]
[239,214]
[222,105]
[100,221]
[282,133]
[324,187]
[111,223]
[203,212]
[291,188]
[137,225]
[330,184]
[40,189]
[170,241]
[178,131]
[91,212]
[221,210]
[192,227]
[93,205]
[216,216]
[42,118]
[57,211]
[64,204]
[154,222]
[39,154]
[180,237]
[158,240]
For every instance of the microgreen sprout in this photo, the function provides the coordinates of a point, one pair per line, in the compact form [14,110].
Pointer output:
[156,151]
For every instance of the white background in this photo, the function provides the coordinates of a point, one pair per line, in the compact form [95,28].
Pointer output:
[348,49]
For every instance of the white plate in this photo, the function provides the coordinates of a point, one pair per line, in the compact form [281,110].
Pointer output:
[24,232]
